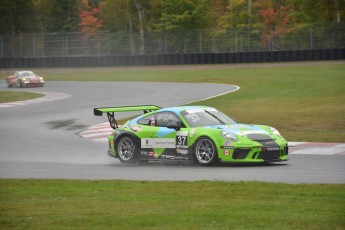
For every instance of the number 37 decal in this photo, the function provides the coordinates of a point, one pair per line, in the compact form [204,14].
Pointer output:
[181,139]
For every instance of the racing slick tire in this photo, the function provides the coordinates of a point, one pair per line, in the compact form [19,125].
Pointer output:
[205,152]
[127,150]
[20,84]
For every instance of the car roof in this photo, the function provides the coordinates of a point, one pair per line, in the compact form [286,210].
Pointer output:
[24,71]
[183,108]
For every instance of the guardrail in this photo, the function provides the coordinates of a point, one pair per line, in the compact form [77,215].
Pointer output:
[174,59]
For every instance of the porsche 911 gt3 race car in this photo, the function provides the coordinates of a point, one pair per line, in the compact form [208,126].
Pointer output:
[24,79]
[190,133]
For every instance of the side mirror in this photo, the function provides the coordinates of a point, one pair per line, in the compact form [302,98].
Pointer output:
[174,125]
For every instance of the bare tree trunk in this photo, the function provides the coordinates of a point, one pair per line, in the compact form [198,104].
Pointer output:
[337,11]
[250,13]
[250,8]
[141,14]
[130,25]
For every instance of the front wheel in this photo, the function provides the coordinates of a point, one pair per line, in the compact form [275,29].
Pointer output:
[205,151]
[20,84]
[126,150]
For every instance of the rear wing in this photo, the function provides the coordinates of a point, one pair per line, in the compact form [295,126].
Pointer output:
[110,111]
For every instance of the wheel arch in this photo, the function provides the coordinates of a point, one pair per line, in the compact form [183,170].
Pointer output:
[121,134]
[124,158]
[209,135]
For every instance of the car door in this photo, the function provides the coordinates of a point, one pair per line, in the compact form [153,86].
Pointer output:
[161,141]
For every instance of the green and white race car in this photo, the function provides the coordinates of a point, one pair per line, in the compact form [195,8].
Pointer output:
[190,133]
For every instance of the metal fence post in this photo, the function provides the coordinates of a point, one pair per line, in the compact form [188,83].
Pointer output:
[311,38]
[34,46]
[200,42]
[1,47]
[66,45]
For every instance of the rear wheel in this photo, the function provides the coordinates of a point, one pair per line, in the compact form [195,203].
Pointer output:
[126,150]
[205,151]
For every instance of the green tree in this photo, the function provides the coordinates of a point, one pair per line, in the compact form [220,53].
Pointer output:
[130,16]
[182,15]
[323,12]
[64,16]
[17,16]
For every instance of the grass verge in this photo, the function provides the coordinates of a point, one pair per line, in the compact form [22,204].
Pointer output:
[74,204]
[11,96]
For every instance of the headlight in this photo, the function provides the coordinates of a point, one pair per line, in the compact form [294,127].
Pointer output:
[24,78]
[41,78]
[229,136]
[273,130]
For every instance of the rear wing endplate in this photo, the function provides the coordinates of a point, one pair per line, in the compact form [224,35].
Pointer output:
[110,111]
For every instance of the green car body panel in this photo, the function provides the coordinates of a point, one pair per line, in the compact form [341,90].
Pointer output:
[191,133]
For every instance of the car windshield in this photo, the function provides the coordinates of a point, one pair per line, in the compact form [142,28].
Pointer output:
[206,117]
[26,74]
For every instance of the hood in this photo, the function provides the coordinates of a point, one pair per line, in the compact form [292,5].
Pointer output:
[253,132]
[30,77]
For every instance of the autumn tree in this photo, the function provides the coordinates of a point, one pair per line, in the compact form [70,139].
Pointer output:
[89,21]
[276,19]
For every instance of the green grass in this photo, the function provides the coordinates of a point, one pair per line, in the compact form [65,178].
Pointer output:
[304,102]
[11,96]
[72,204]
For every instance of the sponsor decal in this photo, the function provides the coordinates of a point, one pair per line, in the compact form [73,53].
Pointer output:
[181,151]
[227,152]
[192,131]
[166,143]
[194,110]
[226,147]
[144,153]
[270,148]
[151,154]
[134,128]
[171,157]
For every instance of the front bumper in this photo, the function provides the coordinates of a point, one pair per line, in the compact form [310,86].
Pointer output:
[255,154]
[29,84]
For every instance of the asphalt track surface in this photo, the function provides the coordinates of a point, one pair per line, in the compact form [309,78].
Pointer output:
[38,139]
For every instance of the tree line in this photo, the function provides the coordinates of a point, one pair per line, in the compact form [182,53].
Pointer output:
[273,18]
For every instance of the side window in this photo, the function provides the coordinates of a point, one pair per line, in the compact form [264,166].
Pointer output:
[146,120]
[165,118]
